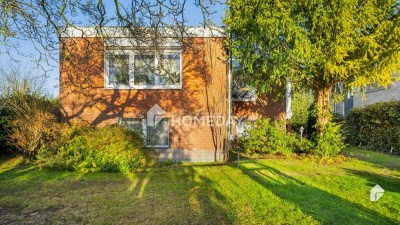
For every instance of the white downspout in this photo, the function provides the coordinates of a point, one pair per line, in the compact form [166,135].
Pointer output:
[229,122]
[288,100]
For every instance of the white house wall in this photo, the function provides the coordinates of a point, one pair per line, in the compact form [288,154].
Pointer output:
[392,93]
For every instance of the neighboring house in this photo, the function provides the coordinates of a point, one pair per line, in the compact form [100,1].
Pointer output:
[373,94]
[182,85]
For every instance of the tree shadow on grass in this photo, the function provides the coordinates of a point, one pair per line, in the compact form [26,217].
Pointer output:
[388,182]
[324,207]
[176,195]
[377,159]
[169,195]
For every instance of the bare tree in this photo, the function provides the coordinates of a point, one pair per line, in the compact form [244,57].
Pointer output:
[32,114]
[40,21]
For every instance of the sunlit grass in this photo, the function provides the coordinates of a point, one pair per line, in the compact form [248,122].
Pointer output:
[289,191]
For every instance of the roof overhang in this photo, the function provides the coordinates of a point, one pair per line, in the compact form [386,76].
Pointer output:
[118,32]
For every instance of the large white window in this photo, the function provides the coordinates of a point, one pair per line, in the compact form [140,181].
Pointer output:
[129,69]
[155,136]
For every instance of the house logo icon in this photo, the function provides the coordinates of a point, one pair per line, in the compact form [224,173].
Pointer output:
[155,115]
[376,193]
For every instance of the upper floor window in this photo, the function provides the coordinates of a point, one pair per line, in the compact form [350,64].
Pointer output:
[119,70]
[126,69]
[241,91]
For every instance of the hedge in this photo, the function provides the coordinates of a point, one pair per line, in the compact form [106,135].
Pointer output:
[376,127]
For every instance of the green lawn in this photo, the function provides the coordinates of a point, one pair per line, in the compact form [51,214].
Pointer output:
[279,191]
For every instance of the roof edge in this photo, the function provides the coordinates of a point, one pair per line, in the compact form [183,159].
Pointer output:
[119,32]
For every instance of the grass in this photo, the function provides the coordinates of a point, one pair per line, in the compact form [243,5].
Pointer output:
[279,191]
[377,158]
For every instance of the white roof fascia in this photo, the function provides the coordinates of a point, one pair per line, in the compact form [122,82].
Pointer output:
[116,32]
[126,42]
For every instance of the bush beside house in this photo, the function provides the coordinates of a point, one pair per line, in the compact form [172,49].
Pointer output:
[267,137]
[34,130]
[105,149]
[376,127]
[271,137]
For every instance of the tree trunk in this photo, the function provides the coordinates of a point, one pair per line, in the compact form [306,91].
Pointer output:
[322,107]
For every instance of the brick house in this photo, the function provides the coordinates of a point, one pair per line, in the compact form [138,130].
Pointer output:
[118,80]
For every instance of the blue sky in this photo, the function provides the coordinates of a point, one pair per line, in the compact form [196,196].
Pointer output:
[27,60]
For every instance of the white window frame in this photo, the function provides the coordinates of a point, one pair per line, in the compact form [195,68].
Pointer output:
[132,84]
[252,99]
[158,146]
[145,131]
[244,124]
[247,89]
[107,56]
[121,122]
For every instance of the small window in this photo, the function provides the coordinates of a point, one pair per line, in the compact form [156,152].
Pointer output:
[241,91]
[169,67]
[155,136]
[118,70]
[158,135]
[242,127]
[129,69]
[144,70]
[243,95]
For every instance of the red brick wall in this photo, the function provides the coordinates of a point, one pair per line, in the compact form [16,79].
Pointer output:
[83,96]
[264,106]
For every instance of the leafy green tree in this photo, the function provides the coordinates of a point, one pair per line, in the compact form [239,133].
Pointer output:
[301,104]
[316,44]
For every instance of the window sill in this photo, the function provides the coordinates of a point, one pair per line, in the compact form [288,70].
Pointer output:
[136,87]
[243,100]
[158,146]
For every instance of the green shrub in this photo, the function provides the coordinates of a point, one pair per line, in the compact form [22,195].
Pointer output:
[331,143]
[269,137]
[337,118]
[266,137]
[377,127]
[106,149]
